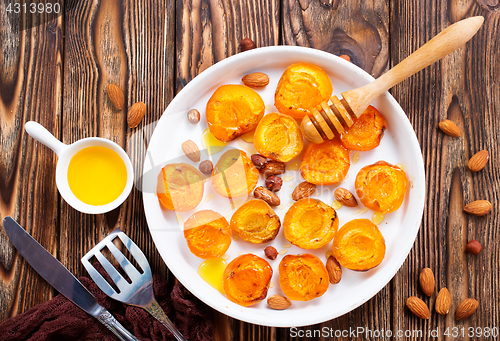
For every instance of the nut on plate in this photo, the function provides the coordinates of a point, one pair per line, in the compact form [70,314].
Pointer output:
[206,167]
[303,190]
[278,302]
[449,128]
[473,247]
[274,183]
[115,95]
[334,270]
[266,195]
[345,197]
[136,114]
[191,150]
[478,207]
[478,161]
[193,116]
[271,252]
[259,161]
[273,168]
[443,302]
[466,308]
[255,80]
[418,307]
[247,44]
[427,281]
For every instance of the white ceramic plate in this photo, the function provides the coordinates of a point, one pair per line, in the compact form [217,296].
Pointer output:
[398,146]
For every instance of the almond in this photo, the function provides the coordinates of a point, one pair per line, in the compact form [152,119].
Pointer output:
[478,161]
[116,96]
[427,281]
[135,114]
[256,80]
[278,302]
[334,270]
[418,307]
[266,195]
[478,207]
[303,190]
[449,128]
[345,197]
[443,302]
[191,150]
[466,308]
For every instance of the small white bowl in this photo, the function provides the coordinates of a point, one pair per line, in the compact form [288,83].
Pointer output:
[66,152]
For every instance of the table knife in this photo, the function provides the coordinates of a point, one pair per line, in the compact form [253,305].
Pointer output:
[60,278]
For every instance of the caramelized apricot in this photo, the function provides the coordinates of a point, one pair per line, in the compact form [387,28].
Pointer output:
[310,223]
[278,137]
[255,221]
[303,277]
[359,245]
[366,132]
[234,175]
[233,110]
[180,187]
[246,279]
[381,186]
[301,88]
[326,163]
[207,234]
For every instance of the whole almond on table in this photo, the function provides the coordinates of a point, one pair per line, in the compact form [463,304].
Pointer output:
[278,302]
[266,195]
[345,197]
[466,308]
[478,161]
[449,128]
[443,302]
[191,150]
[334,270]
[478,207]
[418,307]
[473,247]
[256,80]
[115,95]
[427,281]
[271,252]
[303,190]
[136,114]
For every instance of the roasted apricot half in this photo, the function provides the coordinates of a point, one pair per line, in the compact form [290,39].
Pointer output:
[301,88]
[234,175]
[233,110]
[207,234]
[180,187]
[303,277]
[310,223]
[359,245]
[326,163]
[381,186]
[366,132]
[246,279]
[255,221]
[278,137]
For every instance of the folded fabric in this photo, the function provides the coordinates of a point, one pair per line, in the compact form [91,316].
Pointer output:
[60,319]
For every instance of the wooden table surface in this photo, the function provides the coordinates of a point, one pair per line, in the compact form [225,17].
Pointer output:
[56,73]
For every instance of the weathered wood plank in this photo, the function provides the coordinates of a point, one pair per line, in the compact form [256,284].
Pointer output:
[30,89]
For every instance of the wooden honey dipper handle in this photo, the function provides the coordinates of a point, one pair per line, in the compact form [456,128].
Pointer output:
[324,123]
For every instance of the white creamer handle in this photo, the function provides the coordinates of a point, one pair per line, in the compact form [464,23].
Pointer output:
[42,135]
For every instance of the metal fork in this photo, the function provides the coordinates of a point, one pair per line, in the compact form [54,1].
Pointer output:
[140,291]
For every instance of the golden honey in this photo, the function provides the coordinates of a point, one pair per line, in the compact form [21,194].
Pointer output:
[336,205]
[211,271]
[211,144]
[248,137]
[378,217]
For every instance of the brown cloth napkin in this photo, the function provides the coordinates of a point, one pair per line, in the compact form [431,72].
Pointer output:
[60,319]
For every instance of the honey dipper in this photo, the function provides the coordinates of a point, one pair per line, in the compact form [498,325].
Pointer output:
[327,117]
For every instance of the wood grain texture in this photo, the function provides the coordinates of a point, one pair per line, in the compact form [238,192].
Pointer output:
[30,89]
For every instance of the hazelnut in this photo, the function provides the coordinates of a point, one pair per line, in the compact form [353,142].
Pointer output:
[206,167]
[259,161]
[193,116]
[346,57]
[247,44]
[473,247]
[271,252]
[274,183]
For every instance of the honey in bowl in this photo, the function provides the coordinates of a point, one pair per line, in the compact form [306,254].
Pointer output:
[97,175]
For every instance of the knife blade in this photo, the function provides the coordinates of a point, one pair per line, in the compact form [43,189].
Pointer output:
[60,277]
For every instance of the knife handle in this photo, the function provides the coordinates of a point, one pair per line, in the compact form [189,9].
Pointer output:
[112,324]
